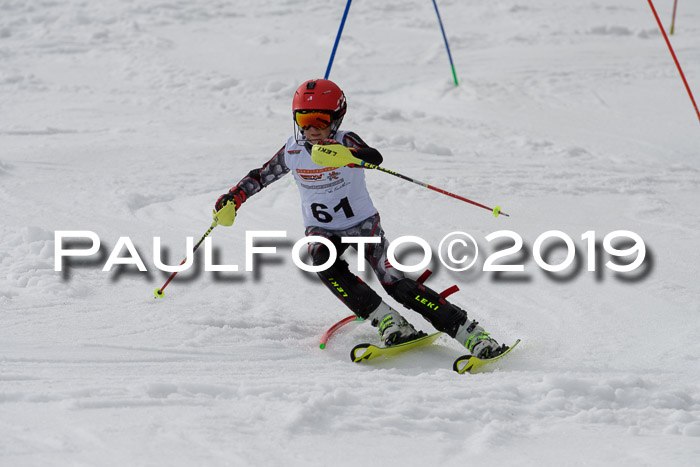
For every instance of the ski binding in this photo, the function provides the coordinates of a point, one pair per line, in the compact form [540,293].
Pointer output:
[471,364]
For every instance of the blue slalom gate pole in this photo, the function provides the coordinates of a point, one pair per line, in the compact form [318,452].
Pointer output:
[337,39]
[449,55]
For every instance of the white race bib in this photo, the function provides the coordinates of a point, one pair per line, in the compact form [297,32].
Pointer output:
[333,198]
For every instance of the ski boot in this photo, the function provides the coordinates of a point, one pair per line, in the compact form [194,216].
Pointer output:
[477,341]
[393,328]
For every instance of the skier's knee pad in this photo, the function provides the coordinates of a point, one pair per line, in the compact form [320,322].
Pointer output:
[349,288]
[443,315]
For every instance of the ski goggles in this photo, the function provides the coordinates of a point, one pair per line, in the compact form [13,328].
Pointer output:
[312,118]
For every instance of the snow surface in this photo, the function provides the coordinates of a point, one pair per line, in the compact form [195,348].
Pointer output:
[129,119]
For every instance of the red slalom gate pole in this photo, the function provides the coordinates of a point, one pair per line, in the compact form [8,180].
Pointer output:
[327,335]
[673,54]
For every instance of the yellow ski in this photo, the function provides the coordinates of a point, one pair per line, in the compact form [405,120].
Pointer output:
[470,364]
[362,352]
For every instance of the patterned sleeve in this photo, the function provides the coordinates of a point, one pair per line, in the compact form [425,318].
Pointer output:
[351,140]
[257,179]
[363,151]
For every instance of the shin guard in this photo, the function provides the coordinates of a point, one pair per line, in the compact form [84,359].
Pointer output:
[349,288]
[443,315]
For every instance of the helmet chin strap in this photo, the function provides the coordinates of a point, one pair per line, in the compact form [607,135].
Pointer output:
[299,134]
[335,126]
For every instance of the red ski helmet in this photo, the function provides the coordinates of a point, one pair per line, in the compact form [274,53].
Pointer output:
[322,95]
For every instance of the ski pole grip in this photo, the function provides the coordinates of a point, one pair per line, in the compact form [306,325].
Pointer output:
[333,155]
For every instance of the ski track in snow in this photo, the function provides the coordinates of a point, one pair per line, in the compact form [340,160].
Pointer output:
[130,118]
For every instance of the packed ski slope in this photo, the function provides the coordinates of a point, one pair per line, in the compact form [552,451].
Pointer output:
[129,119]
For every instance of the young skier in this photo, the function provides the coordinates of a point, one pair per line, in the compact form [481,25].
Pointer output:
[335,204]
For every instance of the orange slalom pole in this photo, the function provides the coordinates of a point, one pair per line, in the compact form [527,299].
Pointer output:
[673,18]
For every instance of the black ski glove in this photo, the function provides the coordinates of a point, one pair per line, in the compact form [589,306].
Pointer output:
[370,155]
